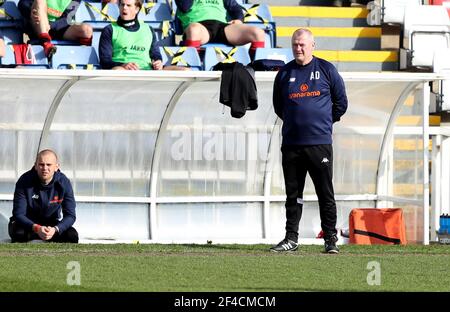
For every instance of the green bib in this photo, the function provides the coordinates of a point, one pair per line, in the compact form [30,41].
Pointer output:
[129,46]
[202,10]
[55,8]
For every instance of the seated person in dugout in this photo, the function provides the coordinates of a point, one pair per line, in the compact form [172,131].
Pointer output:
[44,204]
[205,21]
[129,44]
[52,19]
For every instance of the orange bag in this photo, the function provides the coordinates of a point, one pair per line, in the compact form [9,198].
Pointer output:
[369,226]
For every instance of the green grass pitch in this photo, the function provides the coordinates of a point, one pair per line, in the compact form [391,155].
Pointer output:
[220,268]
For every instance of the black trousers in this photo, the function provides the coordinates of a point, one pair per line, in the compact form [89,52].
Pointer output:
[19,234]
[317,160]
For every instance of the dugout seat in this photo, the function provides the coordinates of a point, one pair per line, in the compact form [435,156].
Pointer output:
[225,54]
[39,56]
[159,17]
[98,15]
[75,57]
[259,15]
[282,54]
[181,56]
[11,23]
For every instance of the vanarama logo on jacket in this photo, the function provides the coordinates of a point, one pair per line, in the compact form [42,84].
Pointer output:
[304,92]
[56,200]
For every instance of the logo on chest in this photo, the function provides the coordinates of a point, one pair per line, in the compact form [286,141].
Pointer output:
[303,92]
[56,200]
[137,48]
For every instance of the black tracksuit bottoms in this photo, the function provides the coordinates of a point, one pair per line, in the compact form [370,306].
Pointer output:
[19,234]
[317,160]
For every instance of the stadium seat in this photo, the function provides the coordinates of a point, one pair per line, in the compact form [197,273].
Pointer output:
[9,14]
[9,58]
[388,11]
[181,56]
[216,54]
[426,29]
[159,17]
[11,34]
[259,15]
[282,54]
[10,23]
[75,57]
[97,14]
[39,55]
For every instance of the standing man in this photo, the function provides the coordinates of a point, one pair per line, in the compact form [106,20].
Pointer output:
[44,205]
[309,96]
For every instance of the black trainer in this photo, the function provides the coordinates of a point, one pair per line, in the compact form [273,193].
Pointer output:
[285,245]
[330,245]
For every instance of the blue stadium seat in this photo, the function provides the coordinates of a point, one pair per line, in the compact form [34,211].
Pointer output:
[9,58]
[216,54]
[282,54]
[9,14]
[259,15]
[93,14]
[11,34]
[159,17]
[181,56]
[97,15]
[171,3]
[75,57]
[10,23]
[39,55]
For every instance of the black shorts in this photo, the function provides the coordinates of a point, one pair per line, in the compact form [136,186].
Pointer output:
[25,10]
[216,31]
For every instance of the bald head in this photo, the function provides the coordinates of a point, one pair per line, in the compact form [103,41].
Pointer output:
[303,32]
[303,46]
[46,165]
[46,152]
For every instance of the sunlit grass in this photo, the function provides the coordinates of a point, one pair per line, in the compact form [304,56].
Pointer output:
[157,267]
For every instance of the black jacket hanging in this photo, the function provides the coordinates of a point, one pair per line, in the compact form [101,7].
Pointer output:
[237,88]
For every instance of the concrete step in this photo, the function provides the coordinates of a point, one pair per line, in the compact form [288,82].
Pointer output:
[342,34]
[347,27]
[319,16]
[336,38]
[361,60]
[343,15]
